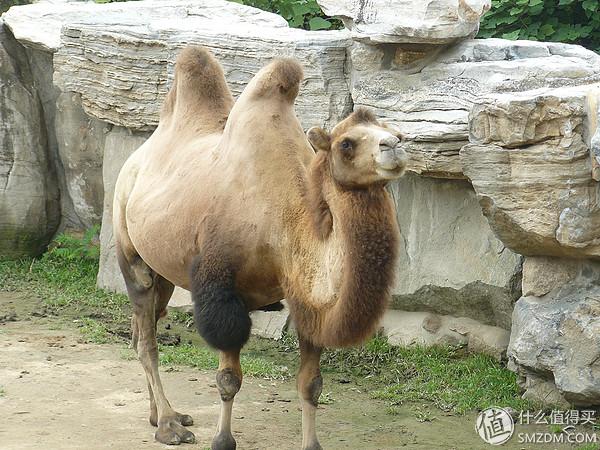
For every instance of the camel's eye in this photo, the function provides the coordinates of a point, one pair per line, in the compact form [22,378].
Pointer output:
[346,144]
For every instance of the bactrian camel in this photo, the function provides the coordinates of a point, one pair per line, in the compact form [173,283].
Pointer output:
[234,202]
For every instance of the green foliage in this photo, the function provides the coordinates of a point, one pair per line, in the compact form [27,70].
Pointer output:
[298,13]
[571,21]
[72,248]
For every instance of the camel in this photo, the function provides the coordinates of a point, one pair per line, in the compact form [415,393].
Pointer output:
[235,203]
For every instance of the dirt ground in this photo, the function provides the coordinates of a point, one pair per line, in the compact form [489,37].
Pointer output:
[59,393]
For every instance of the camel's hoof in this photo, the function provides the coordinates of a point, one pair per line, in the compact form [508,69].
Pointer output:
[183,419]
[223,441]
[313,446]
[171,432]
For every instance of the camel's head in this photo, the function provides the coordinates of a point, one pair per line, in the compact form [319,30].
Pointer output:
[361,150]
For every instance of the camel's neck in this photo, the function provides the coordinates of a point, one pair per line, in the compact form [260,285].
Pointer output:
[357,235]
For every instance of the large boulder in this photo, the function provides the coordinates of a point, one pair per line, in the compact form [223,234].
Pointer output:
[555,339]
[428,93]
[408,21]
[450,261]
[29,207]
[531,167]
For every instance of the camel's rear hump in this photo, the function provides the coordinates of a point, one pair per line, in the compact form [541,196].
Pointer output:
[199,95]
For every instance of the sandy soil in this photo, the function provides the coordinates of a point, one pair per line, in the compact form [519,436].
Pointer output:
[60,393]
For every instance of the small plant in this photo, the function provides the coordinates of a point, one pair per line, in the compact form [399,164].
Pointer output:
[326,399]
[71,248]
[423,415]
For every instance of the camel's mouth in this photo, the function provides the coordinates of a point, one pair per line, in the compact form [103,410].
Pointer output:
[391,162]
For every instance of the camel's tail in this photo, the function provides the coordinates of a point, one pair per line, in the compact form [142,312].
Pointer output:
[199,93]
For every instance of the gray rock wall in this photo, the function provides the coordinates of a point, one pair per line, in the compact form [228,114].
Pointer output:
[29,209]
[451,263]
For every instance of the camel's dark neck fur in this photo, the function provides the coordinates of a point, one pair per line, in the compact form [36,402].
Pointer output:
[366,222]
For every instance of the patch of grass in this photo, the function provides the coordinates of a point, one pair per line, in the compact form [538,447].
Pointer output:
[588,447]
[64,279]
[2,392]
[448,377]
[95,332]
[206,359]
[326,398]
[184,318]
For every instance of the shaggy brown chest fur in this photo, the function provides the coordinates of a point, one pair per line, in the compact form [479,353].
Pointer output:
[363,225]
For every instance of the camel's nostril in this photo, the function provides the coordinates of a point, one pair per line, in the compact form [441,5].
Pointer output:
[389,142]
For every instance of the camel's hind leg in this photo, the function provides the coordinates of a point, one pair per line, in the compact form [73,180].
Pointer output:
[310,384]
[149,294]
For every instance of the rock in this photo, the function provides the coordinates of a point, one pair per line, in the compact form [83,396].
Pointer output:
[80,141]
[118,145]
[427,93]
[29,203]
[543,274]
[408,21]
[270,324]
[450,262]
[39,26]
[556,338]
[531,169]
[145,44]
[414,328]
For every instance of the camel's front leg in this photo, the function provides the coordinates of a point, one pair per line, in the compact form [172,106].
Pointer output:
[310,384]
[229,381]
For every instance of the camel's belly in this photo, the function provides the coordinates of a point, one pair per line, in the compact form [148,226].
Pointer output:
[168,238]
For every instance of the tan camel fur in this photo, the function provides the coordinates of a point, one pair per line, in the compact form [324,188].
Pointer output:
[234,202]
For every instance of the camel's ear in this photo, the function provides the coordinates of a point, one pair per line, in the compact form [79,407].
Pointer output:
[319,139]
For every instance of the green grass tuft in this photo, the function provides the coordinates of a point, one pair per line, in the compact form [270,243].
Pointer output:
[95,332]
[206,359]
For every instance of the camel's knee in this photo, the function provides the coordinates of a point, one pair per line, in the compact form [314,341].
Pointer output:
[310,389]
[137,274]
[228,383]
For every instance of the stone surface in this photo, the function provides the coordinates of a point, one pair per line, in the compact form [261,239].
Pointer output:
[270,324]
[137,35]
[531,169]
[80,141]
[408,21]
[542,274]
[119,144]
[39,25]
[450,261]
[419,328]
[557,338]
[29,206]
[428,93]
